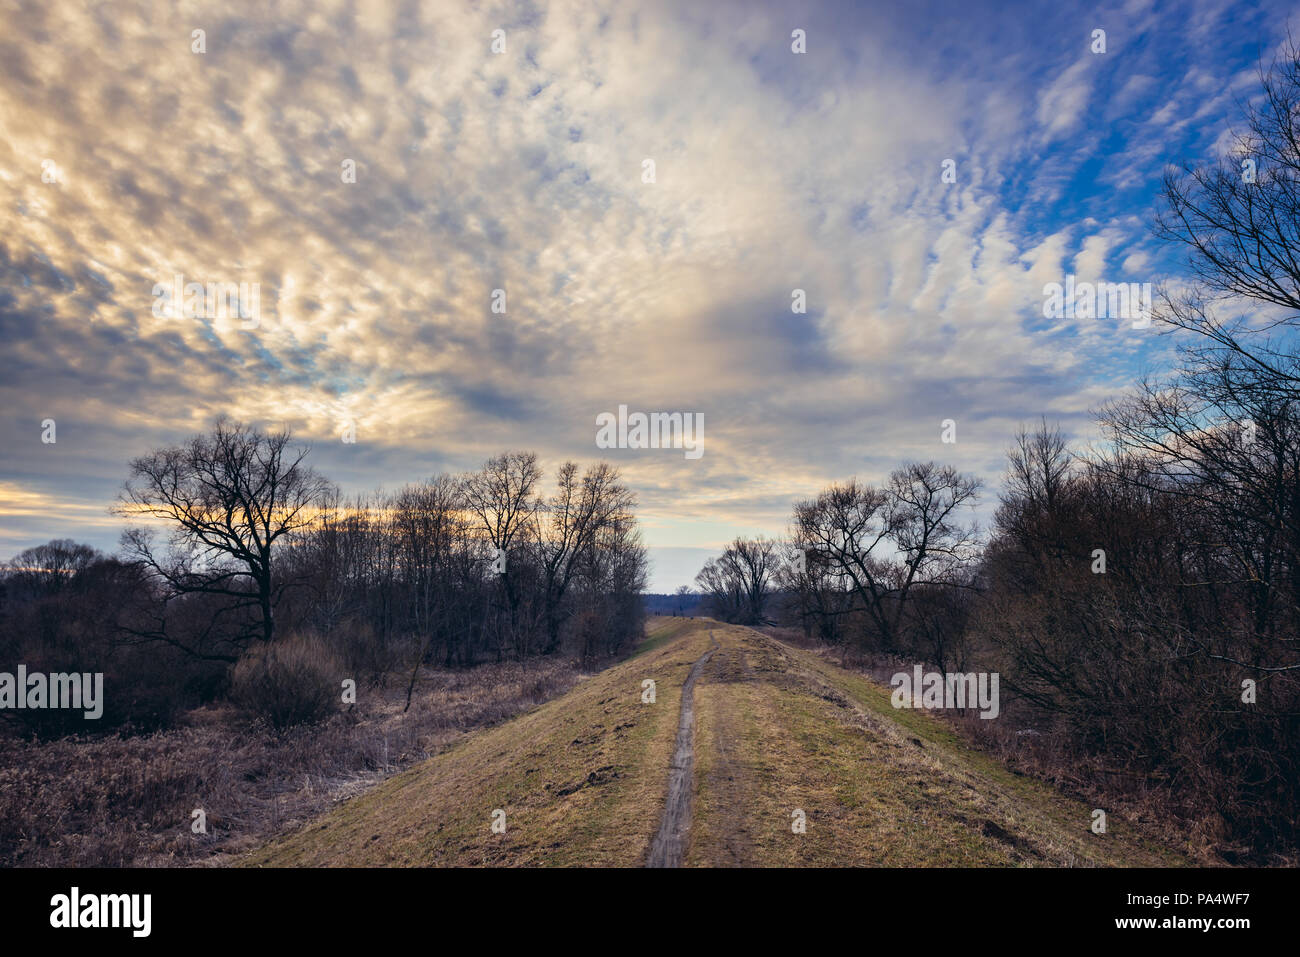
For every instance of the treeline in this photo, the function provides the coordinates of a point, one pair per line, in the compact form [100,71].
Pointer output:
[683,603]
[256,579]
[891,569]
[484,565]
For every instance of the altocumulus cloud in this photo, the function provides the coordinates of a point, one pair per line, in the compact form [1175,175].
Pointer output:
[522,171]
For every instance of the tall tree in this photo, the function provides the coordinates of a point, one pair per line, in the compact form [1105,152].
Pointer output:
[229,497]
[574,518]
[503,499]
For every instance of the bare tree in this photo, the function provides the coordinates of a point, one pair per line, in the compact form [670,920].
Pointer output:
[818,598]
[1038,464]
[684,597]
[229,497]
[756,560]
[47,569]
[883,543]
[1239,221]
[720,583]
[502,497]
[739,582]
[574,518]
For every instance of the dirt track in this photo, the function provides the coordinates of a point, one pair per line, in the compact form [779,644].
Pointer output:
[669,844]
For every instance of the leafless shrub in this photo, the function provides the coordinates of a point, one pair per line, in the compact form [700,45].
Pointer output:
[117,801]
[293,681]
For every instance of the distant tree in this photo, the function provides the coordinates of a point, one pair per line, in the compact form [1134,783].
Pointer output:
[719,583]
[684,597]
[883,544]
[813,595]
[738,583]
[49,568]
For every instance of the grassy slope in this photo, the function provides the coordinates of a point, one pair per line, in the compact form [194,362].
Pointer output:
[780,729]
[582,779]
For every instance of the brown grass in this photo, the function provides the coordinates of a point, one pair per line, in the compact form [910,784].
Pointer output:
[581,780]
[127,801]
[1029,749]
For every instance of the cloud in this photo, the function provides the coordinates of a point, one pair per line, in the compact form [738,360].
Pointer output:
[523,172]
[1062,105]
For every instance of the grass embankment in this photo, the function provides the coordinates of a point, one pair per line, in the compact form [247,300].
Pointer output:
[781,729]
[582,779]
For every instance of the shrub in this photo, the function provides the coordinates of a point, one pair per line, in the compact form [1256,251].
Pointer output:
[366,656]
[293,681]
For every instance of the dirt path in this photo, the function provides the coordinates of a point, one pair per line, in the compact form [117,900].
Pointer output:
[723,768]
[669,845]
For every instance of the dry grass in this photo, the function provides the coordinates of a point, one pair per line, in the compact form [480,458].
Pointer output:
[581,780]
[127,801]
[1027,749]
[931,797]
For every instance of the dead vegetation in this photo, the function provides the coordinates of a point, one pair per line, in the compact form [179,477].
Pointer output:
[117,801]
[1029,746]
[582,780]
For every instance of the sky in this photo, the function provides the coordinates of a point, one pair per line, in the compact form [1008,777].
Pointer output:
[378,169]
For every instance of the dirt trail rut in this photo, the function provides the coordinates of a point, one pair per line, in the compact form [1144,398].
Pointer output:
[669,844]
